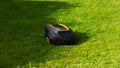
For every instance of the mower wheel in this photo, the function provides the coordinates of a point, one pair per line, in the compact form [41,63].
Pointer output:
[48,39]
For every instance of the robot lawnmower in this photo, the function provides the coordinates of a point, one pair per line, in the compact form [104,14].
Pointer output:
[59,34]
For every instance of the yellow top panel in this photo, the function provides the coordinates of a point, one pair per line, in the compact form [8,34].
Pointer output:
[64,26]
[59,27]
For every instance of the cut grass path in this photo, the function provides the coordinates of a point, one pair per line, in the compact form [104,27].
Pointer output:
[95,23]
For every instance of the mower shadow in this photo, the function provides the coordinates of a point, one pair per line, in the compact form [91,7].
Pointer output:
[81,37]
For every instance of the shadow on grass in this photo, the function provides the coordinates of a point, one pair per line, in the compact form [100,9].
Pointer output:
[22,31]
[81,37]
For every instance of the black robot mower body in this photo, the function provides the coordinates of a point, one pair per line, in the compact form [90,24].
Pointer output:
[59,34]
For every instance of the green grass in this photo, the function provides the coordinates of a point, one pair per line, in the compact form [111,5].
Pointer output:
[95,23]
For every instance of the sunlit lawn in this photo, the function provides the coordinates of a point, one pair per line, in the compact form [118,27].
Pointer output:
[96,25]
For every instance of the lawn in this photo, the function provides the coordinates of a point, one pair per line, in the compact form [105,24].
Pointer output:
[96,25]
